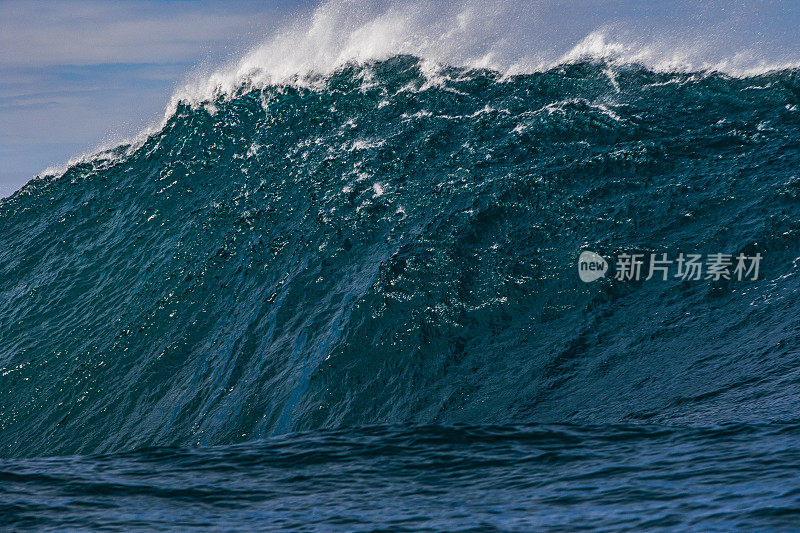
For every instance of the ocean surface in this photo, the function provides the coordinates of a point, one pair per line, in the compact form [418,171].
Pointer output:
[353,304]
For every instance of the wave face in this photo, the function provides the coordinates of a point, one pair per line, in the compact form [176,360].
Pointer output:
[396,245]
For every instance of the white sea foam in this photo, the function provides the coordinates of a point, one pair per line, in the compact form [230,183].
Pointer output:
[509,38]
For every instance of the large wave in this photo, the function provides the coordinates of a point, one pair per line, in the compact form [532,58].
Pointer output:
[331,234]
[383,249]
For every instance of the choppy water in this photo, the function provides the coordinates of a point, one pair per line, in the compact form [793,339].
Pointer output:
[427,478]
[385,262]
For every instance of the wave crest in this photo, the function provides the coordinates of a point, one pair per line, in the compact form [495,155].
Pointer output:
[509,38]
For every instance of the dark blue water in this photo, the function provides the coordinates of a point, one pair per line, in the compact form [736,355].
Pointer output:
[427,478]
[357,306]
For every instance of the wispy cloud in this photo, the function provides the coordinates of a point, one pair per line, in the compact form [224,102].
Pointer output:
[87,32]
[75,74]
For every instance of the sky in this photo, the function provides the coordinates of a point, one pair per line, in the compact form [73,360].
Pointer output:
[76,75]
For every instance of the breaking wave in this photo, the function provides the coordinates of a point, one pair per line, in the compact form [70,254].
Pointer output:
[384,249]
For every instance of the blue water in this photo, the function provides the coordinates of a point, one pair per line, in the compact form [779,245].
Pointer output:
[356,306]
[427,478]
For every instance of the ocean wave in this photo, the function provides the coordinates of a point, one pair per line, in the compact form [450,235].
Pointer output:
[383,249]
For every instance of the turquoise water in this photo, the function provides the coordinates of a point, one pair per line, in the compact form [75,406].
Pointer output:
[357,306]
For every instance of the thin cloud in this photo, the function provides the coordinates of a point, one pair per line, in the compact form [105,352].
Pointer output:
[75,74]
[89,32]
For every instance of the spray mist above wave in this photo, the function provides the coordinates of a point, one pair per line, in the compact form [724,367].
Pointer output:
[512,38]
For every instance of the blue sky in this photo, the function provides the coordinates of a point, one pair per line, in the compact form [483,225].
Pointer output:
[76,74]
